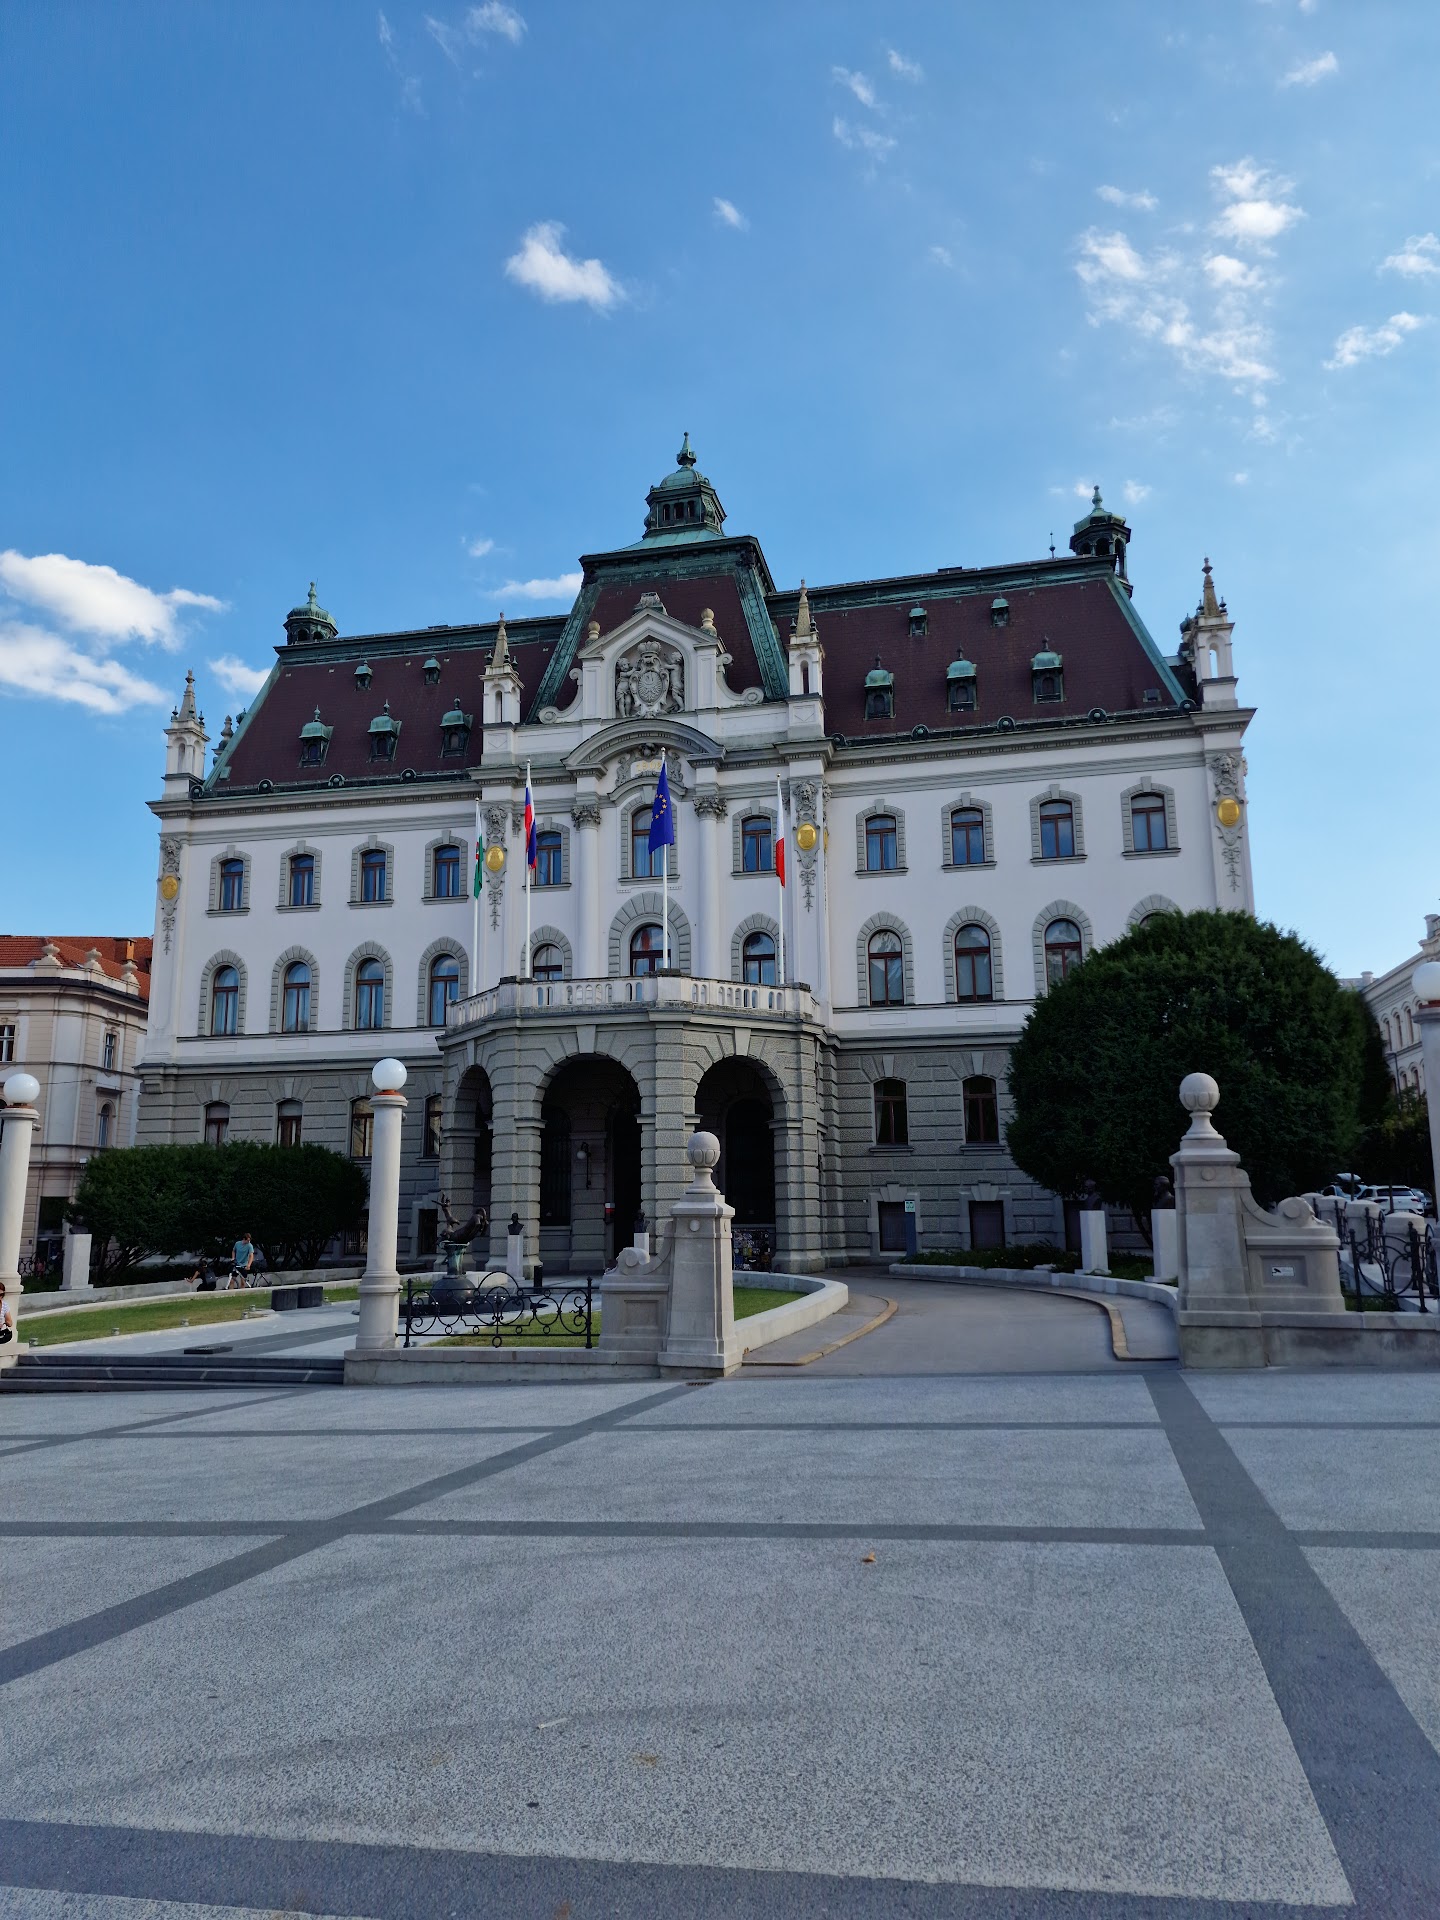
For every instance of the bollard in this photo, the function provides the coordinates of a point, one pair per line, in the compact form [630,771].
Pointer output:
[380,1288]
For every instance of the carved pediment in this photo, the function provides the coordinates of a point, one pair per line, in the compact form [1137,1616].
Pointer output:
[649,681]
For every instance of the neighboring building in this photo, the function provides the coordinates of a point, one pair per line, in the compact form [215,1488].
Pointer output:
[72,1012]
[1391,998]
[989,771]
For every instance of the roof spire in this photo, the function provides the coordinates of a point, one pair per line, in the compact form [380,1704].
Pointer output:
[1096,503]
[686,455]
[803,628]
[501,656]
[311,602]
[1209,605]
[187,703]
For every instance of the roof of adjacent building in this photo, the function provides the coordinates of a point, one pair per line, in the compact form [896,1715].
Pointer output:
[1000,618]
[73,950]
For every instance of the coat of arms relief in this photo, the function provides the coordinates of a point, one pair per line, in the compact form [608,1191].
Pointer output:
[649,682]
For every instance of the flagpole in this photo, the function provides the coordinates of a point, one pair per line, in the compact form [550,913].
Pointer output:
[780,837]
[476,887]
[525,971]
[665,887]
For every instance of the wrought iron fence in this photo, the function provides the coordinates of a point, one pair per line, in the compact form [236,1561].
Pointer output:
[1389,1257]
[468,1302]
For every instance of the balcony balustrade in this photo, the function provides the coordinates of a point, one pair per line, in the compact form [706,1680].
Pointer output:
[652,993]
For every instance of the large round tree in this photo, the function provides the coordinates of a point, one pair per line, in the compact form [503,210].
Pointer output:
[1095,1075]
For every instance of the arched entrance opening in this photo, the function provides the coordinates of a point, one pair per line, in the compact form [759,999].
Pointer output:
[734,1102]
[590,1169]
[465,1146]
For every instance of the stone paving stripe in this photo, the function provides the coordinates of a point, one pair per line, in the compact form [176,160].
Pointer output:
[110,1623]
[659,1426]
[1369,1765]
[139,1429]
[1331,1426]
[414,1883]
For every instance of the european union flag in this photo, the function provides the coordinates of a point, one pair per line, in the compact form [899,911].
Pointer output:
[662,815]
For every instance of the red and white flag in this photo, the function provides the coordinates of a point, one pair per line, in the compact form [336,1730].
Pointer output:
[779,833]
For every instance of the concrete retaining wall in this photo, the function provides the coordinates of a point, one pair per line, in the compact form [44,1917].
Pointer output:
[1043,1280]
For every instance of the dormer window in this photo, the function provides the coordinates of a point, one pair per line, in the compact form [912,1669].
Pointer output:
[879,693]
[961,682]
[919,623]
[1047,677]
[999,612]
[455,732]
[314,741]
[431,670]
[384,732]
[363,675]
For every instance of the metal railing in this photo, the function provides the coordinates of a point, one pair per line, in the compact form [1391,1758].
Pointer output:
[450,1304]
[1385,1256]
[623,994]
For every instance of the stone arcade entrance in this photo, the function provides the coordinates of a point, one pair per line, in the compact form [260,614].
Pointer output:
[590,1089]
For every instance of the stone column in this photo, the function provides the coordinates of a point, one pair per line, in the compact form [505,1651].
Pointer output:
[590,962]
[76,1270]
[1094,1250]
[21,1091]
[700,1335]
[1427,1018]
[710,959]
[380,1287]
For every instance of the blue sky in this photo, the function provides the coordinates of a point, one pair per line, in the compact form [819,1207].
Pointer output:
[417,303]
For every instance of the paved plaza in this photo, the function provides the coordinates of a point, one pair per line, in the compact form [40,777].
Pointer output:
[857,1638]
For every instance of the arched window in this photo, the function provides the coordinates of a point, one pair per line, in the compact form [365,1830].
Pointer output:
[430,1136]
[444,986]
[982,1113]
[886,956]
[1063,950]
[757,960]
[548,963]
[1057,830]
[757,849]
[232,886]
[225,1001]
[549,859]
[295,1014]
[1147,823]
[289,1118]
[105,1125]
[302,879]
[447,873]
[369,995]
[217,1124]
[892,1115]
[640,867]
[972,964]
[882,845]
[647,950]
[967,837]
[362,1129]
[372,874]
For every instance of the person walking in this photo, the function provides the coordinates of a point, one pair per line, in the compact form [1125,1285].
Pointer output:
[244,1259]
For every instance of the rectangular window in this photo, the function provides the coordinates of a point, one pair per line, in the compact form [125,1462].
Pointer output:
[882,844]
[982,1114]
[372,875]
[302,880]
[548,860]
[232,885]
[7,1042]
[107,1053]
[967,837]
[640,867]
[987,1224]
[757,853]
[217,1125]
[1057,830]
[892,1119]
[289,1117]
[1147,823]
[430,1139]
[892,1225]
[447,873]
[362,1129]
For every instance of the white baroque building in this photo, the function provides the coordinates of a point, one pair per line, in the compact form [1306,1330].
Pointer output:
[1392,999]
[988,771]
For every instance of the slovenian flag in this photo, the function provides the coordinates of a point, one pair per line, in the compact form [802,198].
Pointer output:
[779,834]
[530,853]
[479,863]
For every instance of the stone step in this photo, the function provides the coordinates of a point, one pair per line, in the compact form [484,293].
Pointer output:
[100,1373]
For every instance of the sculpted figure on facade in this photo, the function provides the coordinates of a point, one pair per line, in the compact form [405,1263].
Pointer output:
[649,682]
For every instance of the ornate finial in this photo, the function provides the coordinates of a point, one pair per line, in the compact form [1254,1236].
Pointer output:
[317,710]
[1052,543]
[387,710]
[1096,503]
[686,455]
[803,628]
[1208,603]
[592,632]
[501,656]
[707,620]
[312,602]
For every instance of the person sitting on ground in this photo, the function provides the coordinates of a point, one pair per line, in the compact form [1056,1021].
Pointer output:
[7,1317]
[243,1261]
[203,1278]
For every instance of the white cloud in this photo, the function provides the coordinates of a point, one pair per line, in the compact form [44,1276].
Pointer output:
[1224,270]
[448,39]
[236,677]
[1259,209]
[1371,343]
[906,69]
[862,139]
[543,266]
[1305,73]
[1419,256]
[477,549]
[1118,197]
[942,256]
[97,600]
[1083,489]
[564,586]
[1109,256]
[1131,289]
[856,82]
[386,36]
[35,661]
[729,215]
[1133,492]
[495,18]
[1239,479]
[409,85]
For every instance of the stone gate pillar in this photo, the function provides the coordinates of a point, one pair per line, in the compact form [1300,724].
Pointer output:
[515,1129]
[21,1092]
[380,1287]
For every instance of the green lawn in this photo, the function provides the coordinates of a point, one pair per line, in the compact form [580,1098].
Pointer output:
[150,1316]
[748,1300]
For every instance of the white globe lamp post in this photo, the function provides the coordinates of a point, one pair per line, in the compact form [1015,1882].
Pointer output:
[380,1287]
[20,1120]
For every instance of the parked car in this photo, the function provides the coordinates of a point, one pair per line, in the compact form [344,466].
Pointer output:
[1398,1199]
[1345,1186]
